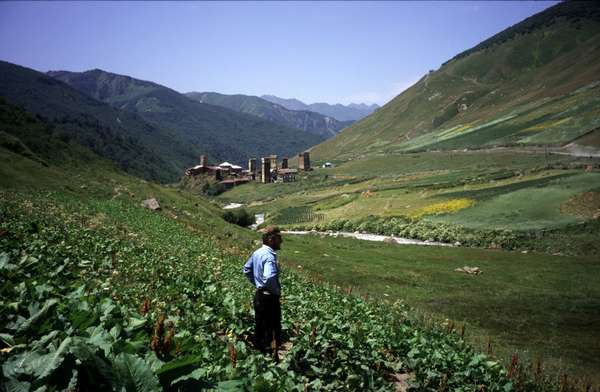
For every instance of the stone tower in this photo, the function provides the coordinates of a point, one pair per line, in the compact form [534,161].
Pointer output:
[304,161]
[266,170]
[273,162]
[252,165]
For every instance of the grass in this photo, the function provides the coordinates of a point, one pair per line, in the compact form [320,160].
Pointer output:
[514,92]
[185,260]
[100,180]
[534,304]
[501,189]
[531,208]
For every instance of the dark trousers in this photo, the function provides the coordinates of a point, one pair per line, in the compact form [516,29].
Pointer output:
[267,314]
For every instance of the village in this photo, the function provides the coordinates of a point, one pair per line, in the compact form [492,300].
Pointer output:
[271,171]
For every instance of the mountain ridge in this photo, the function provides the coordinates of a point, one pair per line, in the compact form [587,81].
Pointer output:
[120,136]
[304,120]
[219,132]
[351,112]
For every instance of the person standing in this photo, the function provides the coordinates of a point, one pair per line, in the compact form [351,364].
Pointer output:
[262,270]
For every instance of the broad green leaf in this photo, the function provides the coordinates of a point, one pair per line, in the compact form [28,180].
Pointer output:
[16,386]
[115,331]
[76,294]
[7,338]
[230,386]
[106,308]
[20,364]
[46,364]
[90,357]
[177,368]
[5,262]
[37,315]
[135,323]
[154,362]
[135,374]
[194,381]
[100,338]
[26,261]
[44,340]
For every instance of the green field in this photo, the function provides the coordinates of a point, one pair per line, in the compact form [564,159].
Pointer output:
[474,192]
[529,208]
[107,295]
[536,305]
[539,304]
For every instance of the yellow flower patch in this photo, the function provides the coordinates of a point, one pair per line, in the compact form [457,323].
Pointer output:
[445,207]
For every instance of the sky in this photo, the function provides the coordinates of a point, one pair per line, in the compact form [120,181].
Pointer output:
[334,52]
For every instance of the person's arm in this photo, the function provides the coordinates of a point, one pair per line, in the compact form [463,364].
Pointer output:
[271,274]
[248,271]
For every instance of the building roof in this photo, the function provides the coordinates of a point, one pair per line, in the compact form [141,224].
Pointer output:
[229,165]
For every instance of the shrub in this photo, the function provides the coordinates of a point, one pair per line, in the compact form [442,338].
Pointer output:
[213,189]
[239,216]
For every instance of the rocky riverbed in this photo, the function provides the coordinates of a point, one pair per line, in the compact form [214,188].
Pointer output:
[370,237]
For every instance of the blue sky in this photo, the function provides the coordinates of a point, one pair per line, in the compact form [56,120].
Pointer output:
[314,51]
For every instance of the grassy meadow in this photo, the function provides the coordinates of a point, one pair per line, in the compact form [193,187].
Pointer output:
[540,300]
[520,192]
[156,301]
[535,305]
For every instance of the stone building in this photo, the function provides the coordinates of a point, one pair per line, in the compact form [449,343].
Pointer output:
[273,159]
[265,170]
[252,165]
[304,161]
[286,175]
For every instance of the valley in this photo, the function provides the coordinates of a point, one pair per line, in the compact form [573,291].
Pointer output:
[477,186]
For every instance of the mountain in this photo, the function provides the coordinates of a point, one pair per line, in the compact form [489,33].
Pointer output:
[61,112]
[534,84]
[291,103]
[221,133]
[304,120]
[350,112]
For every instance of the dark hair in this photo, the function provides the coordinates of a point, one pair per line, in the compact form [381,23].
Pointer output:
[270,233]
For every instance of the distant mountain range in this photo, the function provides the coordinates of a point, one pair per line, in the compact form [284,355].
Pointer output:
[144,128]
[202,128]
[67,114]
[534,84]
[305,120]
[352,112]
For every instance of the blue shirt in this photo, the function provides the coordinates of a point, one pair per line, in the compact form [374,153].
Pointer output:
[262,270]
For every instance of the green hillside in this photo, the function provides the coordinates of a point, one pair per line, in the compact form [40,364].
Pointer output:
[303,120]
[221,133]
[106,295]
[73,117]
[535,84]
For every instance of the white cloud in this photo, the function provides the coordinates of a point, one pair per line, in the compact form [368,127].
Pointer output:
[383,96]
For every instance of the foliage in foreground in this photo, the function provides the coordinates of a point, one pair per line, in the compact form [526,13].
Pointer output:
[105,295]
